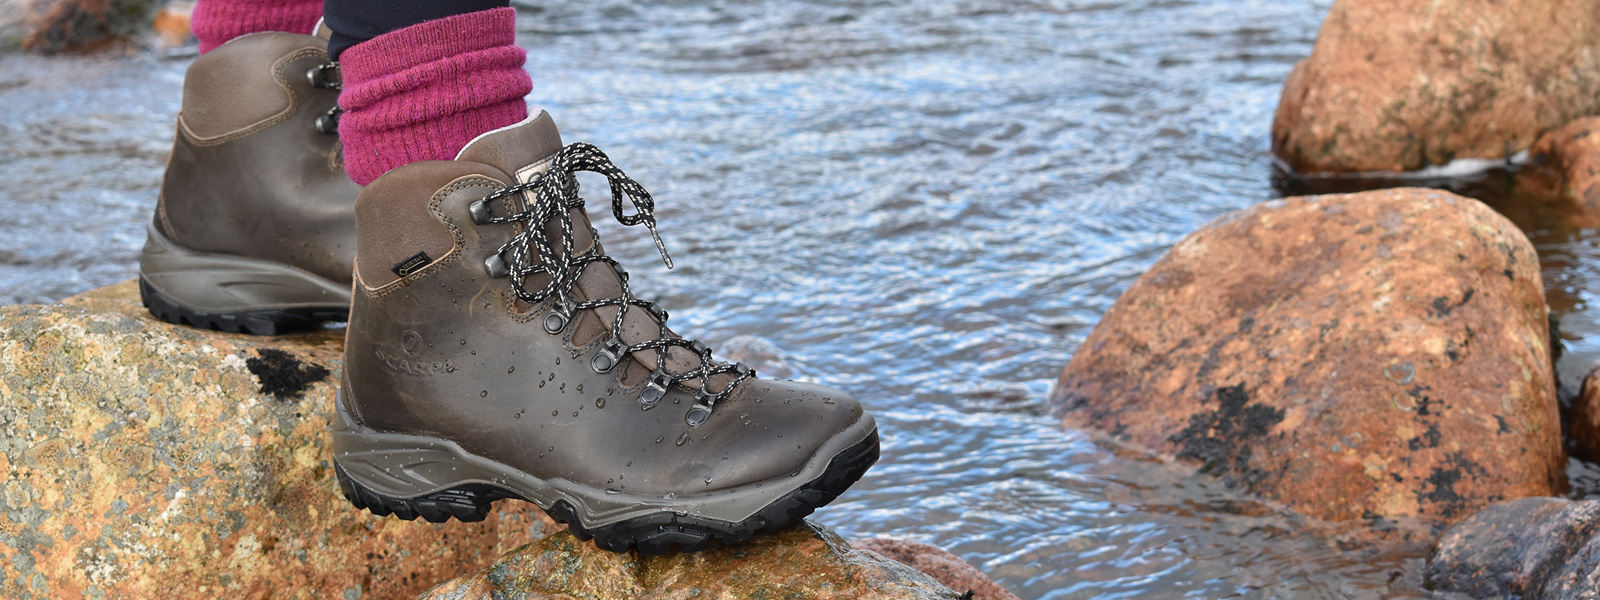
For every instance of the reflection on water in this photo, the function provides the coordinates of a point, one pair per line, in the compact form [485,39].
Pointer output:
[928,203]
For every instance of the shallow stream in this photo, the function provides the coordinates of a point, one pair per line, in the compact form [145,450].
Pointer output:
[928,203]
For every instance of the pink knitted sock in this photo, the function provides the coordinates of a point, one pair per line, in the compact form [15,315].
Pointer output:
[423,92]
[216,21]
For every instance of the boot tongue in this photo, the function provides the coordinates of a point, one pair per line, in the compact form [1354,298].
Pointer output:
[512,148]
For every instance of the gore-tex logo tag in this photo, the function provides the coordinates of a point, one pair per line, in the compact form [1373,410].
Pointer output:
[410,265]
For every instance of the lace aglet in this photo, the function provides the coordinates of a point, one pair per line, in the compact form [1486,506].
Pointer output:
[661,246]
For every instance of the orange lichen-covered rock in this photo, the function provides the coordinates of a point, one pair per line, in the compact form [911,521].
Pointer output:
[147,460]
[1398,85]
[1361,356]
[806,561]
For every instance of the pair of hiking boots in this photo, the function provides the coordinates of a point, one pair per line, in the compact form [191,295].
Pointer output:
[493,349]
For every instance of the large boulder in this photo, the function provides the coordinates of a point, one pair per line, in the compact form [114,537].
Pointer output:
[1398,85]
[146,460]
[1530,548]
[800,562]
[1362,356]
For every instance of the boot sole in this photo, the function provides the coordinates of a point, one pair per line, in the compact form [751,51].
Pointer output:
[615,522]
[233,293]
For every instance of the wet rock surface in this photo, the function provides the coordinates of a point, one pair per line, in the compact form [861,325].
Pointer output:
[1371,356]
[145,460]
[807,561]
[1564,170]
[1530,548]
[943,566]
[1583,421]
[1398,85]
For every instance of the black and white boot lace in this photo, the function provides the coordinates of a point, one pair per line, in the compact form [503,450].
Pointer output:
[553,193]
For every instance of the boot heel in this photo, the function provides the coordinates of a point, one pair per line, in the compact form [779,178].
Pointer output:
[466,503]
[232,293]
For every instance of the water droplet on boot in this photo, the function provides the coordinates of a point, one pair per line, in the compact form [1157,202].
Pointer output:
[683,439]
[574,413]
[553,375]
[658,440]
[541,384]
[558,361]
[671,495]
[511,370]
[483,394]
[599,402]
[555,413]
[580,388]
[708,481]
[611,491]
[463,342]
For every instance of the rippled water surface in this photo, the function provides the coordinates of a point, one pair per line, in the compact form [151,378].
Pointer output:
[926,202]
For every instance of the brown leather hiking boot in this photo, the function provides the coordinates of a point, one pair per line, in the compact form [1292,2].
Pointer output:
[255,229]
[488,359]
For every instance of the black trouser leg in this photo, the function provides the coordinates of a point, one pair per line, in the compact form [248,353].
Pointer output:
[356,21]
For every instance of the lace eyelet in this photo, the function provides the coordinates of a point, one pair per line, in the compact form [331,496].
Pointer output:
[743,370]
[320,77]
[699,348]
[496,266]
[608,357]
[328,123]
[656,389]
[655,310]
[701,411]
[479,209]
[559,316]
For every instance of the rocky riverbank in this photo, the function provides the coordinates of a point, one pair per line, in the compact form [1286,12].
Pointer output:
[143,460]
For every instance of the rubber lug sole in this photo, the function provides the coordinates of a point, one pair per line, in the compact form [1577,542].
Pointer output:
[652,534]
[253,322]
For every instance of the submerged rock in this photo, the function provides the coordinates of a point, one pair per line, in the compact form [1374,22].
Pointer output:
[1398,85]
[146,460]
[1362,356]
[1530,548]
[947,568]
[1583,421]
[801,562]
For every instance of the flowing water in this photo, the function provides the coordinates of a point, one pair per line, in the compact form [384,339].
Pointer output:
[927,202]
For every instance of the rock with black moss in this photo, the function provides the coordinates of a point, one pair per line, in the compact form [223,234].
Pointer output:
[1362,357]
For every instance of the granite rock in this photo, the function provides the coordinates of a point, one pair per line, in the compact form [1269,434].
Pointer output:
[948,568]
[806,561]
[1367,356]
[1529,548]
[147,460]
[1398,85]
